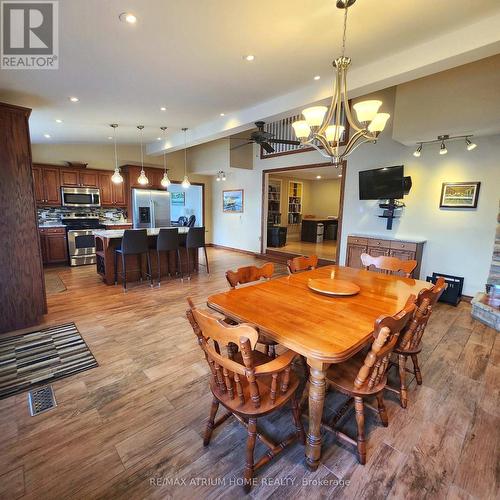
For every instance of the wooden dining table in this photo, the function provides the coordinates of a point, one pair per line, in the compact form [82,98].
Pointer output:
[323,329]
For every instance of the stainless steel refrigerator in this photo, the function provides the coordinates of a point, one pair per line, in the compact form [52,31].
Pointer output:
[150,208]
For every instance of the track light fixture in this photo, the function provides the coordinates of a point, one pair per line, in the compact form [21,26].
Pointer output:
[221,176]
[442,140]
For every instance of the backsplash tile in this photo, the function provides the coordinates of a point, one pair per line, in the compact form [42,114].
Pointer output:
[53,214]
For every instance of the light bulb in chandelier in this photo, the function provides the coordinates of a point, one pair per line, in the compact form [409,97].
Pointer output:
[117,177]
[442,149]
[470,145]
[418,151]
[314,115]
[185,182]
[378,122]
[333,133]
[165,181]
[142,179]
[301,129]
[366,111]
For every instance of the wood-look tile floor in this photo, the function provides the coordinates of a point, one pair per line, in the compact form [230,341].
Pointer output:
[326,250]
[132,427]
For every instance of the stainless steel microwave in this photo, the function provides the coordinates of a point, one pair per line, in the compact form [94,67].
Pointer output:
[80,197]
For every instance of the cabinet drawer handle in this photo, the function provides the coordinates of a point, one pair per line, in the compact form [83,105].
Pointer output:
[378,242]
[402,246]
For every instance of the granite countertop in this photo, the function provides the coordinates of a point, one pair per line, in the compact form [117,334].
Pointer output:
[118,233]
[116,223]
[379,236]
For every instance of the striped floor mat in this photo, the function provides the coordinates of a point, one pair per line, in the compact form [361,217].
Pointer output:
[41,357]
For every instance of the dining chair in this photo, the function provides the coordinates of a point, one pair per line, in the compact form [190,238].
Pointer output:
[410,341]
[302,263]
[252,274]
[365,375]
[249,385]
[389,265]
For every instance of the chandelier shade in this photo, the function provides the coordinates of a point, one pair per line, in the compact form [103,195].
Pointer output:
[322,126]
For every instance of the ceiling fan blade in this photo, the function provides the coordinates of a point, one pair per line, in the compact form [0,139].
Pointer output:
[267,147]
[285,141]
[241,145]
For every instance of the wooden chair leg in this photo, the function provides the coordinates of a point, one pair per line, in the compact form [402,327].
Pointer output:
[403,392]
[299,427]
[305,395]
[416,369]
[252,435]
[360,420]
[381,409]
[210,424]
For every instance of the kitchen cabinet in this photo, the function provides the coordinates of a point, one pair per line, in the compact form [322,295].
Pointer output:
[54,245]
[404,250]
[112,195]
[79,178]
[154,176]
[47,185]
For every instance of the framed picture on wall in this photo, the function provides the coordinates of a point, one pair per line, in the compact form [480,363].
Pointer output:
[178,199]
[459,194]
[232,201]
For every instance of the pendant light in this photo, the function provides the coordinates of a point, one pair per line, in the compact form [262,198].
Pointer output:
[142,179]
[165,181]
[116,177]
[185,182]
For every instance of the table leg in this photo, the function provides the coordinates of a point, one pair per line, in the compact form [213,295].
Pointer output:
[317,391]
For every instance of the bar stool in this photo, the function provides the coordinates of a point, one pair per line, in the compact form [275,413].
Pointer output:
[196,239]
[134,242]
[168,241]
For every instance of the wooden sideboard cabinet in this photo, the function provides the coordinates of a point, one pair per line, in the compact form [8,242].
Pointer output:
[404,250]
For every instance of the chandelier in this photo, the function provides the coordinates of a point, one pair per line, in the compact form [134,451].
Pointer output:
[322,126]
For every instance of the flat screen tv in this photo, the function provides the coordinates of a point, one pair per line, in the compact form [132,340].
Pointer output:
[383,183]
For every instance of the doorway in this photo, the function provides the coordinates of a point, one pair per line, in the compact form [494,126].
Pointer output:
[302,211]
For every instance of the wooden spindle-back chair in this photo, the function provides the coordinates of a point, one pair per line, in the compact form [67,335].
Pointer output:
[365,375]
[251,274]
[410,340]
[302,263]
[249,385]
[389,265]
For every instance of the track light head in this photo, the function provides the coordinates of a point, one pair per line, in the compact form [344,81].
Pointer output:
[470,145]
[442,149]
[418,151]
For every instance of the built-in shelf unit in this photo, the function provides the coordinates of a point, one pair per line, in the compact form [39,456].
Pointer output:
[294,202]
[274,202]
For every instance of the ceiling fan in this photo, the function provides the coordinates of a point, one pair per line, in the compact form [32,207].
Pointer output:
[264,139]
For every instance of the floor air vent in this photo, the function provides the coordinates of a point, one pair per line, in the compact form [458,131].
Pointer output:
[41,400]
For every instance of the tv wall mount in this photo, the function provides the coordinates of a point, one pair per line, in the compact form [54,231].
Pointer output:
[390,211]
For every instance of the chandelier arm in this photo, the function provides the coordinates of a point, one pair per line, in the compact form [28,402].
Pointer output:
[324,142]
[347,110]
[345,155]
[335,102]
[352,141]
[322,152]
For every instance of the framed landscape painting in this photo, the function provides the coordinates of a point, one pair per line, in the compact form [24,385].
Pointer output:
[232,201]
[178,199]
[459,194]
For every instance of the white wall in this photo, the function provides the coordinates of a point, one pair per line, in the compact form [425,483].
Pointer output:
[459,242]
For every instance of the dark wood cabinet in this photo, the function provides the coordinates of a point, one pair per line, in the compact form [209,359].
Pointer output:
[22,289]
[404,250]
[54,245]
[47,185]
[154,176]
[112,195]
[79,178]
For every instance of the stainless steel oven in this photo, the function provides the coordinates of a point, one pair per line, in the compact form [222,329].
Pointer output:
[81,242]
[80,197]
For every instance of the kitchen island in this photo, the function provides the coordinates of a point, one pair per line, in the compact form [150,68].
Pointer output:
[107,241]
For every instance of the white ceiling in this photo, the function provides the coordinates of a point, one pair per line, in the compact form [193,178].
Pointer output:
[187,56]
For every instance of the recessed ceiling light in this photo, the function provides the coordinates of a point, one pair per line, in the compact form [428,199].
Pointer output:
[318,177]
[158,138]
[317,77]
[110,137]
[163,108]
[47,136]
[249,57]
[127,17]
[340,175]
[223,114]
[58,120]
[73,99]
